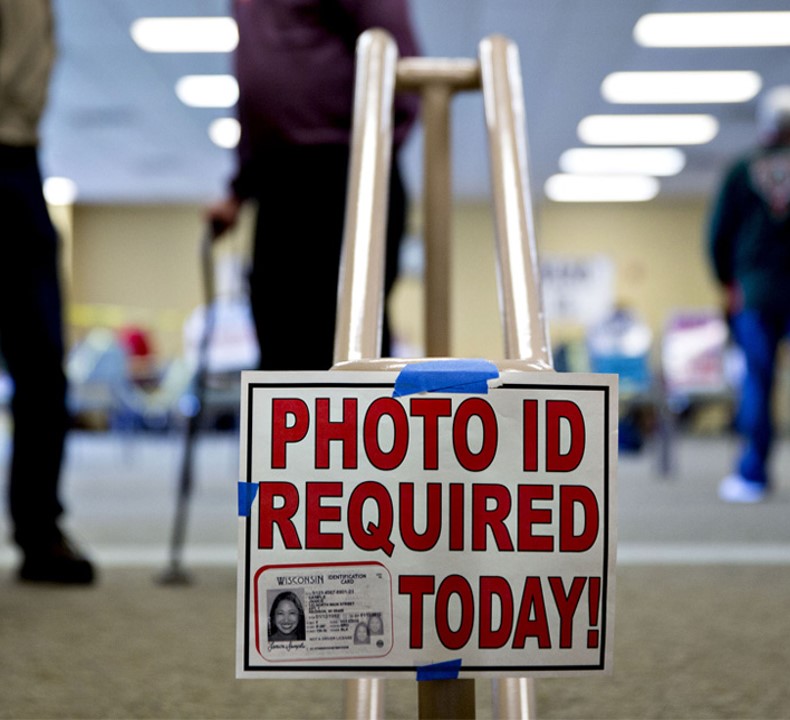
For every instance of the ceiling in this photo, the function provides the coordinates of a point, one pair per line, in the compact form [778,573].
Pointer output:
[115,126]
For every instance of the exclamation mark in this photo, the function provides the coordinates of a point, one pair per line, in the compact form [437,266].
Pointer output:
[593,597]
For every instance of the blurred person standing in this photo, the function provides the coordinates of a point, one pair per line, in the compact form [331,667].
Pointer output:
[31,331]
[295,65]
[749,247]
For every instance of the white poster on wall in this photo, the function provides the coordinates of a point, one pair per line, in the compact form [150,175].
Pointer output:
[577,289]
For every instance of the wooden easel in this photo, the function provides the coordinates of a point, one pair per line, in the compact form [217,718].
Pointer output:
[380,73]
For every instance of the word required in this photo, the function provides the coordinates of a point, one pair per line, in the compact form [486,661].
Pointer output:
[480,517]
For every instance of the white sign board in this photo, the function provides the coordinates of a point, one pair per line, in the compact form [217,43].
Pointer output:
[436,534]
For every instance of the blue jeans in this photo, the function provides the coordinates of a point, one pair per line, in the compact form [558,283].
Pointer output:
[758,334]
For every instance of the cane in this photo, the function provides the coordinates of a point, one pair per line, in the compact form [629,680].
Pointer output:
[175,573]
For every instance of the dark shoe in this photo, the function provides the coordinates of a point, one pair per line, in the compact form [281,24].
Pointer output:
[59,562]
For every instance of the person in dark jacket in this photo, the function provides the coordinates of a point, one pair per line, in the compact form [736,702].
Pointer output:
[295,65]
[31,332]
[749,246]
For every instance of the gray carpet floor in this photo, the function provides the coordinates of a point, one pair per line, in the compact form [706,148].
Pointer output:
[690,642]
[702,619]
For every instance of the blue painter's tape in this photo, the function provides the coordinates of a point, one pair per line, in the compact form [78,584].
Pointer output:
[447,670]
[247,492]
[450,376]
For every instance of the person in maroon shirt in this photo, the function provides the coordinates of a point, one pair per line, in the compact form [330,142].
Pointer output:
[295,67]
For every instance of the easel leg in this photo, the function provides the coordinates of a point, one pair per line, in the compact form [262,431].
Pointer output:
[365,699]
[446,699]
[514,698]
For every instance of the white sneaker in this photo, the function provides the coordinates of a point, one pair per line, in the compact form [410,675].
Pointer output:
[737,489]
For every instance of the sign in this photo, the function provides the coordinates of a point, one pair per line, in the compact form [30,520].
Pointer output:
[388,534]
[694,351]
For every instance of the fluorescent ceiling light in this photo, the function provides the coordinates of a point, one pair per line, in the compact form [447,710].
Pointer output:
[618,161]
[225,132]
[60,191]
[718,86]
[601,188]
[647,129]
[185,34]
[713,29]
[208,90]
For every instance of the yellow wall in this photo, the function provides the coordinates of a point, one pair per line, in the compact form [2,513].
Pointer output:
[658,251]
[141,264]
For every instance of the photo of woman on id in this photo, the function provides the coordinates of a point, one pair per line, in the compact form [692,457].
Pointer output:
[286,618]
